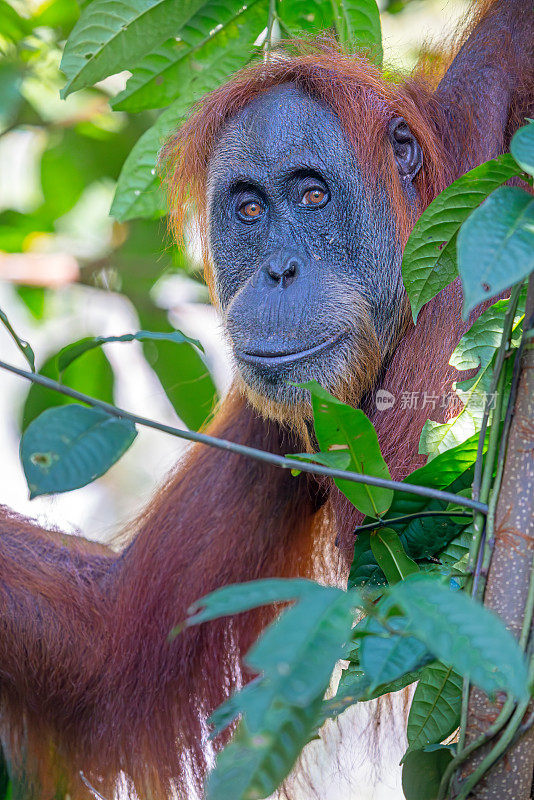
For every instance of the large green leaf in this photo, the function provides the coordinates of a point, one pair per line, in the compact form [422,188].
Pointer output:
[239,597]
[294,658]
[168,72]
[427,266]
[139,192]
[477,348]
[92,375]
[522,147]
[113,35]
[435,709]
[180,369]
[343,428]
[496,245]
[422,772]
[364,570]
[70,446]
[479,344]
[461,632]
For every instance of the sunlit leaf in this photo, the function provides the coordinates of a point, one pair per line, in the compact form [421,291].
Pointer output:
[423,271]
[113,35]
[340,427]
[172,69]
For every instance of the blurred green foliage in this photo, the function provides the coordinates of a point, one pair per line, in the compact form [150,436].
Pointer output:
[81,146]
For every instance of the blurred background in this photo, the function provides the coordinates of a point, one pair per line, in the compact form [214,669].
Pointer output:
[69,269]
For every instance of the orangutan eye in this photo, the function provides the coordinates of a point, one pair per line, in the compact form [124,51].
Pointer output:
[250,210]
[314,197]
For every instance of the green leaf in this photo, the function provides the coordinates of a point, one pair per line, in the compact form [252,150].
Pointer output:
[73,351]
[138,192]
[435,709]
[12,25]
[390,555]
[355,686]
[461,632]
[10,85]
[477,348]
[455,555]
[297,16]
[113,35]
[170,70]
[479,344]
[386,657]
[522,147]
[92,375]
[318,626]
[294,657]
[68,447]
[422,772]
[496,245]
[358,26]
[337,459]
[364,571]
[182,372]
[427,265]
[425,536]
[22,344]
[240,597]
[340,427]
[253,765]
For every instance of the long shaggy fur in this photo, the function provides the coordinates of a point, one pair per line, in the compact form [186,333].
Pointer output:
[89,683]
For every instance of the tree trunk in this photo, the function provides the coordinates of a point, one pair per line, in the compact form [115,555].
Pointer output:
[508,583]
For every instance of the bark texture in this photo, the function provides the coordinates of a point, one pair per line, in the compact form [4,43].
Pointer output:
[508,582]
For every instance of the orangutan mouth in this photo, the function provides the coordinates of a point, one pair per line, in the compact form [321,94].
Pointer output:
[271,359]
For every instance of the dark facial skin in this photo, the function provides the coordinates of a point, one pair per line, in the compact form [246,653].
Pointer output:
[307,267]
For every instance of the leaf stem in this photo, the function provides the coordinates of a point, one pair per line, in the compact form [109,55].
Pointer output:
[245,450]
[480,461]
[383,523]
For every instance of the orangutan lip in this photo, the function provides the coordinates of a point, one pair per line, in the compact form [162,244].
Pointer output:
[278,359]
